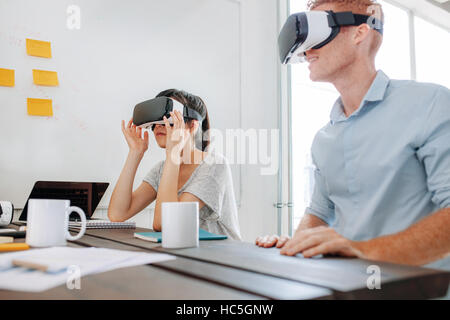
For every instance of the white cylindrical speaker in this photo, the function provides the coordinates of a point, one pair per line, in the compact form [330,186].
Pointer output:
[6,213]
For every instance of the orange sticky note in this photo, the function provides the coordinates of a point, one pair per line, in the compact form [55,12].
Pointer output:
[45,78]
[7,77]
[39,48]
[40,107]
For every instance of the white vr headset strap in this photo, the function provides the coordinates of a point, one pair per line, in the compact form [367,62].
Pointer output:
[177,106]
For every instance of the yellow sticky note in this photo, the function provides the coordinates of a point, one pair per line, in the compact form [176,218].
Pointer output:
[45,78]
[39,48]
[40,107]
[6,77]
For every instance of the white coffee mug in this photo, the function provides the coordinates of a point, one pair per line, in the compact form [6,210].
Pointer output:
[179,224]
[48,222]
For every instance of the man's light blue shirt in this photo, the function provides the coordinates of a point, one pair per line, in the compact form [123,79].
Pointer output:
[386,166]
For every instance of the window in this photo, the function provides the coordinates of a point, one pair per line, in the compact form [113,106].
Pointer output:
[432,51]
[312,102]
[311,105]
[394,55]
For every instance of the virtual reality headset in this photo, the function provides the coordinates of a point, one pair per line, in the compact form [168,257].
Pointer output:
[151,112]
[314,29]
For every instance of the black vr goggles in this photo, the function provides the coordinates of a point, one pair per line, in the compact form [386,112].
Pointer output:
[314,29]
[151,112]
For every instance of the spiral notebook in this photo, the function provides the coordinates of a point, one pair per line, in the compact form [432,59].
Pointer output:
[103,224]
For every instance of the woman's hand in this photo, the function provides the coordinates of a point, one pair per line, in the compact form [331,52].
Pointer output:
[133,135]
[271,241]
[176,137]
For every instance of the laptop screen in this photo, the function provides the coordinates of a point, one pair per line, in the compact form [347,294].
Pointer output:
[86,195]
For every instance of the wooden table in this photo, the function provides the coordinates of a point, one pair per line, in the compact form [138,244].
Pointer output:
[228,269]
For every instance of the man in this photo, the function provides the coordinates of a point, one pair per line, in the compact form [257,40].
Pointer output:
[382,178]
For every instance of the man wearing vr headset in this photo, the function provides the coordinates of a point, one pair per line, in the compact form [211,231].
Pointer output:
[382,177]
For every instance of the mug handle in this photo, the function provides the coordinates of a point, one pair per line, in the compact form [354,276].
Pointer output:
[83,223]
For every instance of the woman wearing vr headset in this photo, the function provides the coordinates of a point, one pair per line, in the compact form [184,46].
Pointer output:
[200,176]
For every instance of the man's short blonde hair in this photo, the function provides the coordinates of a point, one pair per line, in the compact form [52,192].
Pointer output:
[366,7]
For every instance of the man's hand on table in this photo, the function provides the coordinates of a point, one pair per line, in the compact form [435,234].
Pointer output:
[312,242]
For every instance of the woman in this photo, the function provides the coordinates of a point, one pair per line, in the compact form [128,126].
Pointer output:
[200,176]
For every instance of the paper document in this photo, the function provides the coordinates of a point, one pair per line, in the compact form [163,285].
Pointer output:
[64,263]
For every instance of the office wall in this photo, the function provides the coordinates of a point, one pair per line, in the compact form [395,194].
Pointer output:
[260,105]
[123,53]
[260,110]
[246,84]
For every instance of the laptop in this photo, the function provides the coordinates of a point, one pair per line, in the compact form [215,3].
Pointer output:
[86,195]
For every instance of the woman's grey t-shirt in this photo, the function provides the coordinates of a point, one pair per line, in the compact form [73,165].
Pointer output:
[212,183]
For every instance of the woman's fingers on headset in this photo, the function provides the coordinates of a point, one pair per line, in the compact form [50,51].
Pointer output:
[174,120]
[180,117]
[167,124]
[182,124]
[176,116]
[131,129]
[127,129]
[124,127]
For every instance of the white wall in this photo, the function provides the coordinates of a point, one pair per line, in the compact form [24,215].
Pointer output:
[260,103]
[124,53]
[260,110]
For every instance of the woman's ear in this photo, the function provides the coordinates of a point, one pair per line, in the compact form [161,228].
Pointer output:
[194,124]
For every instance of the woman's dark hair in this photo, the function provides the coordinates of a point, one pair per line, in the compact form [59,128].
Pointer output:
[194,102]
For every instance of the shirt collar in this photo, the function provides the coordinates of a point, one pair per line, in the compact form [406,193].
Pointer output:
[376,92]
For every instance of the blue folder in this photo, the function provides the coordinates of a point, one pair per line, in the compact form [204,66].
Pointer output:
[157,236]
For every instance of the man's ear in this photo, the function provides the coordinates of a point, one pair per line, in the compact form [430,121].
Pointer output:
[361,33]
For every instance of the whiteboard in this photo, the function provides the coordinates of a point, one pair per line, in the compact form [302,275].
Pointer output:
[125,52]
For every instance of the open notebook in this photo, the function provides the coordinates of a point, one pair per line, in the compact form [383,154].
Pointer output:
[103,224]
[157,236]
